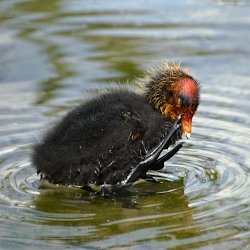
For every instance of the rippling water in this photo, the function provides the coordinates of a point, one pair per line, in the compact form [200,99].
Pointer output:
[54,54]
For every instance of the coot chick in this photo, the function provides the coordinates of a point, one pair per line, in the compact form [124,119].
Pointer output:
[118,136]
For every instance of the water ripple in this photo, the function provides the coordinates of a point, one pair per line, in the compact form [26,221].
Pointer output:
[215,171]
[202,198]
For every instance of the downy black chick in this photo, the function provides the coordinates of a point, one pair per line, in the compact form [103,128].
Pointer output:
[118,136]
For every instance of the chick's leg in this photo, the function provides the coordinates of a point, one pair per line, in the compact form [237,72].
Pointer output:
[159,164]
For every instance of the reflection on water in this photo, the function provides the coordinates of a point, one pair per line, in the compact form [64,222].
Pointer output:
[55,54]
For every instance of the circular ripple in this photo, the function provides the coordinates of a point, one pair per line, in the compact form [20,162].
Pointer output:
[204,188]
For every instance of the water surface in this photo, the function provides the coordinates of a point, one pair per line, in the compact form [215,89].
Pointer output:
[55,54]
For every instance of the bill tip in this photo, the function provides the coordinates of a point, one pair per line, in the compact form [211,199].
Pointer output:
[187,134]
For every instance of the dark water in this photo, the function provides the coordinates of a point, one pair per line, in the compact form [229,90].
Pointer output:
[54,54]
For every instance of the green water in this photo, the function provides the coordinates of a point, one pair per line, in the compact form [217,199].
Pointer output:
[56,54]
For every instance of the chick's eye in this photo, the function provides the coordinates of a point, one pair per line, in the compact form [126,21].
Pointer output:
[185,101]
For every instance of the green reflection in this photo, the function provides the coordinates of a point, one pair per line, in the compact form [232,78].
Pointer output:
[116,54]
[38,6]
[145,205]
[49,87]
[119,54]
[34,30]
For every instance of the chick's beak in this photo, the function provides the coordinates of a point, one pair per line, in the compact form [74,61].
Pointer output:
[186,125]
